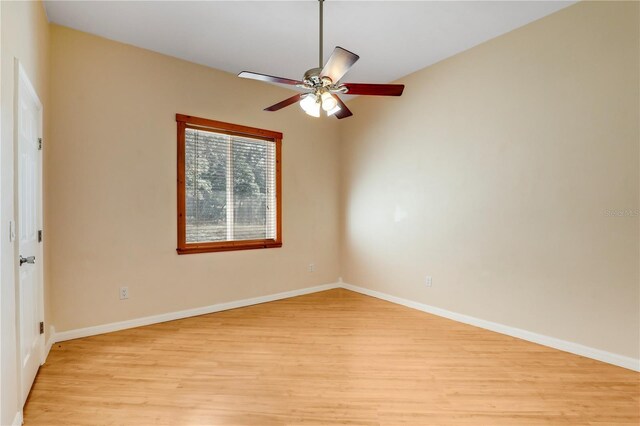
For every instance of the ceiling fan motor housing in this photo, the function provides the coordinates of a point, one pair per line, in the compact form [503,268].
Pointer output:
[314,81]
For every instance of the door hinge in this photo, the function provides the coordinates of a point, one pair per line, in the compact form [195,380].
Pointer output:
[41,327]
[39,144]
[40,235]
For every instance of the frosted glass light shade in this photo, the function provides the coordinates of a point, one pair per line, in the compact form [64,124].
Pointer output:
[310,105]
[334,110]
[328,101]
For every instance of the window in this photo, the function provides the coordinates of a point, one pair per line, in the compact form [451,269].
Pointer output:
[228,186]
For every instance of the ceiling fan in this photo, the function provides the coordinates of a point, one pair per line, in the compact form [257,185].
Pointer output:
[323,84]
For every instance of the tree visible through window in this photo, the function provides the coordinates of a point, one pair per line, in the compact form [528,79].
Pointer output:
[228,186]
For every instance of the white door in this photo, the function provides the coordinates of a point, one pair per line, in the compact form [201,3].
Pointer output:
[29,220]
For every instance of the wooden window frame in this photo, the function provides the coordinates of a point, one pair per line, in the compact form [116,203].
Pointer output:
[186,121]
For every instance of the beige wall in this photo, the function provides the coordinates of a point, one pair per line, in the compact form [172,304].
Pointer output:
[112,182]
[25,36]
[494,173]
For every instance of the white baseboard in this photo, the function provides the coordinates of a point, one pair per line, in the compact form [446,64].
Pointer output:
[552,342]
[17,420]
[49,344]
[170,316]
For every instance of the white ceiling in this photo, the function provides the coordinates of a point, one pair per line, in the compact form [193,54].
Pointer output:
[393,38]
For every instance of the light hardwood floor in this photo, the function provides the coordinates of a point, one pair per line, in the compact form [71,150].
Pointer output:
[334,357]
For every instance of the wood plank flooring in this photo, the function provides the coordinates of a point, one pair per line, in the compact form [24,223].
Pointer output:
[334,357]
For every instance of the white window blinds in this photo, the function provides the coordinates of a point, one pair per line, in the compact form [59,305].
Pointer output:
[230,187]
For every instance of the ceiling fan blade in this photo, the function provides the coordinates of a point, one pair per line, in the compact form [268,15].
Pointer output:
[340,61]
[374,89]
[286,102]
[344,111]
[268,78]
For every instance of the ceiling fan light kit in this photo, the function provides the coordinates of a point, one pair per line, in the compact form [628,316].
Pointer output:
[323,84]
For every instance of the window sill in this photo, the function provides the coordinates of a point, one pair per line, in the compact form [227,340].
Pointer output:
[228,246]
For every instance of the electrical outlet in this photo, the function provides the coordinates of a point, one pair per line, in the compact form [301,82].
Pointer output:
[428,281]
[312,267]
[124,293]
